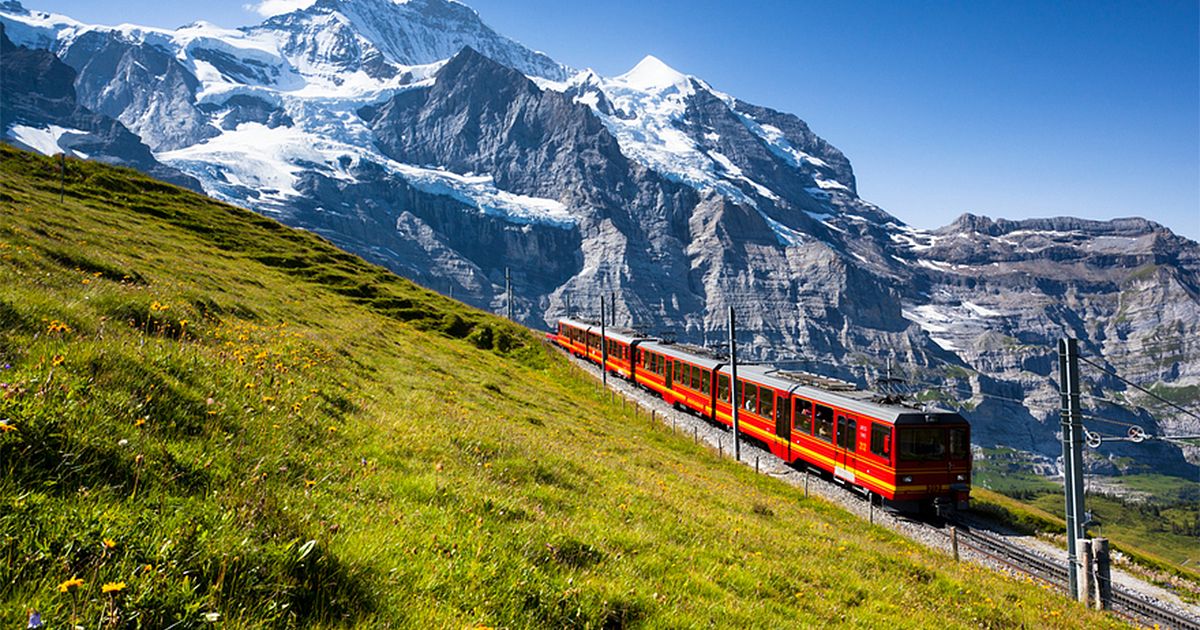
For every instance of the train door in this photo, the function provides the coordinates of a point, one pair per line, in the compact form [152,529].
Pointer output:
[846,439]
[783,421]
[670,364]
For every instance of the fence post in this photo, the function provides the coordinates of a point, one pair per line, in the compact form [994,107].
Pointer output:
[806,483]
[1103,579]
[954,541]
[1084,547]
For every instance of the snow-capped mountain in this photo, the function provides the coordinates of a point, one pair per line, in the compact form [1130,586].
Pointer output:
[409,132]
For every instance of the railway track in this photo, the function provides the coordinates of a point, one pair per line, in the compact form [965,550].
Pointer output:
[1133,606]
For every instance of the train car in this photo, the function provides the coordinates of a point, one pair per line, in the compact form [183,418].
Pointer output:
[906,455]
[573,335]
[622,351]
[682,375]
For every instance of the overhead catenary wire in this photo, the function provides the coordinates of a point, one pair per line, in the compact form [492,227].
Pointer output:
[1139,387]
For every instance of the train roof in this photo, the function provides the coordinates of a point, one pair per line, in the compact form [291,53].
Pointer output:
[577,323]
[691,354]
[841,394]
[620,334]
[823,389]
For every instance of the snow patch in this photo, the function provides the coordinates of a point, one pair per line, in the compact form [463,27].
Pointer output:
[44,140]
[269,160]
[981,311]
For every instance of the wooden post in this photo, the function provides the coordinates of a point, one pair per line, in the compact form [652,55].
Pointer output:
[1103,578]
[756,464]
[1084,547]
[696,435]
[870,508]
[954,541]
[806,483]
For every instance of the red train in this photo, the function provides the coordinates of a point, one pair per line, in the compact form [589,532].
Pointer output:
[913,458]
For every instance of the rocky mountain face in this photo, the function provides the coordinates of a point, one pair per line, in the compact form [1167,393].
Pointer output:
[412,134]
[40,110]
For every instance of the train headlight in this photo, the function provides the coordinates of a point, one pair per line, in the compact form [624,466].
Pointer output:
[961,478]
[907,479]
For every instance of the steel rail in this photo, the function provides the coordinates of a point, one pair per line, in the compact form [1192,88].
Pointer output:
[1126,603]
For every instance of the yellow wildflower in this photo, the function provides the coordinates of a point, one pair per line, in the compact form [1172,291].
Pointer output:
[109,543]
[112,587]
[69,584]
[140,422]
[308,483]
[5,427]
[57,360]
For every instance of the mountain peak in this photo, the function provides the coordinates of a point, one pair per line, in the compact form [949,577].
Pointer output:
[652,74]
[334,37]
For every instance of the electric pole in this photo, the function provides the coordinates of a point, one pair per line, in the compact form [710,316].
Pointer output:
[508,293]
[733,383]
[1072,446]
[603,346]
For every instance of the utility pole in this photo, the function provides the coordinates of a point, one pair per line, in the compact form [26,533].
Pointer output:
[568,304]
[508,293]
[603,346]
[733,383]
[1072,447]
[612,304]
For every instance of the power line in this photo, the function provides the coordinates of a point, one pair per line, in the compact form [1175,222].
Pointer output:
[1119,423]
[1138,387]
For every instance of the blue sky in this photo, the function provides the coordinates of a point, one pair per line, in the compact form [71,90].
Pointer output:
[1008,109]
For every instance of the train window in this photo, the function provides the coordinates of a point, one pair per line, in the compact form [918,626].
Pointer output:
[723,387]
[823,427]
[804,423]
[921,444]
[705,382]
[881,441]
[847,433]
[695,378]
[766,403]
[677,370]
[687,375]
[960,446]
[749,397]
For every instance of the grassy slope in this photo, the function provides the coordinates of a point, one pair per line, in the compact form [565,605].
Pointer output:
[322,443]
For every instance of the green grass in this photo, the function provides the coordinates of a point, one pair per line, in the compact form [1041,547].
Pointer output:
[232,417]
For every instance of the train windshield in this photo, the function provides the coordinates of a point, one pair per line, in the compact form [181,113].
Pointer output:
[922,444]
[960,444]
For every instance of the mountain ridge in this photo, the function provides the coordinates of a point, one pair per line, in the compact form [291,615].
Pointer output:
[653,187]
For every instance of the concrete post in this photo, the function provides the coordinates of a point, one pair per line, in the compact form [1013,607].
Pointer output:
[1084,547]
[1103,577]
